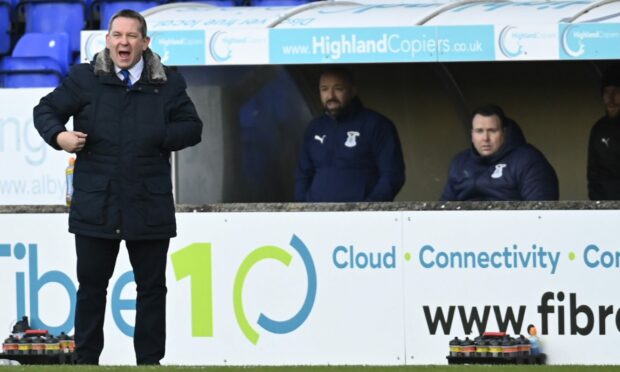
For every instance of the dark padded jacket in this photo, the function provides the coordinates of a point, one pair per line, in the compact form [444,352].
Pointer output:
[357,157]
[604,160]
[122,178]
[517,171]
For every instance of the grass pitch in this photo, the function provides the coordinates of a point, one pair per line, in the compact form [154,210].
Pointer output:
[448,368]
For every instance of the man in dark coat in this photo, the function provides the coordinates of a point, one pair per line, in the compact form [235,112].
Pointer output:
[500,165]
[350,153]
[604,143]
[129,112]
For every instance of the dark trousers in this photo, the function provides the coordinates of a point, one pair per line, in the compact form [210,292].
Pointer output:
[95,264]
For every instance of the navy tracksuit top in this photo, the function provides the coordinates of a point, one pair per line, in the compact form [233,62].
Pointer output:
[517,171]
[356,157]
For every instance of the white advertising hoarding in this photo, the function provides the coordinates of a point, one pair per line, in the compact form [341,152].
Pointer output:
[477,271]
[526,42]
[32,171]
[306,294]
[191,34]
[358,288]
[338,297]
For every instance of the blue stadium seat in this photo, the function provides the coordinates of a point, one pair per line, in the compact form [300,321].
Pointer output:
[52,45]
[56,16]
[220,3]
[107,8]
[38,60]
[5,26]
[279,2]
[29,72]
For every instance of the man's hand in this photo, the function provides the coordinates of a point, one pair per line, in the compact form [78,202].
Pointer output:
[71,141]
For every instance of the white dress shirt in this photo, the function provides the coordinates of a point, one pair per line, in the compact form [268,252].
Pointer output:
[134,73]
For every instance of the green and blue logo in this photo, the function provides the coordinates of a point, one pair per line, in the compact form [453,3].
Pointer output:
[268,324]
[195,262]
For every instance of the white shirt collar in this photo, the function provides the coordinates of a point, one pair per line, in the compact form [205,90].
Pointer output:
[134,73]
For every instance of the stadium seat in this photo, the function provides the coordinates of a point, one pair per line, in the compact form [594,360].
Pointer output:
[107,8]
[56,16]
[29,72]
[279,2]
[5,27]
[220,3]
[52,45]
[38,60]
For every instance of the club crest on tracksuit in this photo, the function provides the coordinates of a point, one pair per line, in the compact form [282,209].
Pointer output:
[351,139]
[499,171]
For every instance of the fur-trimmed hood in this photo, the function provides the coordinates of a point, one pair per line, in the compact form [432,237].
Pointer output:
[154,71]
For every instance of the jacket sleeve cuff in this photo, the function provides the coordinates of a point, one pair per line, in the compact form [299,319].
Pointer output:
[54,142]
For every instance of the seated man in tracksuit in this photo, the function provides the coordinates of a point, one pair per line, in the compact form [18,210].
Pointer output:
[500,165]
[350,153]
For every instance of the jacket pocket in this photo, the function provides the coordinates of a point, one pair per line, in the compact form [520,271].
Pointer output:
[160,202]
[89,198]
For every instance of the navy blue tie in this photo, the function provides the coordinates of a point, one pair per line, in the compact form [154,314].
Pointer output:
[126,79]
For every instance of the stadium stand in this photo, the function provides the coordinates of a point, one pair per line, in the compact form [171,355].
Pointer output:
[55,16]
[38,60]
[44,66]
[52,45]
[29,72]
[107,8]
[279,2]
[5,27]
[221,3]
